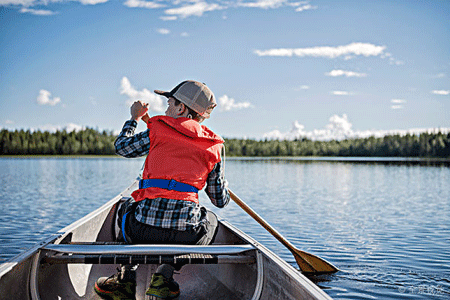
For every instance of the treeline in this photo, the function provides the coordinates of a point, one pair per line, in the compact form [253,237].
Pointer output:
[87,141]
[423,145]
[93,142]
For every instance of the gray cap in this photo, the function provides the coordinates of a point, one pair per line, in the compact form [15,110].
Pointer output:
[195,95]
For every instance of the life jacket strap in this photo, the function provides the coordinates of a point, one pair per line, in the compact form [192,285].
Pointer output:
[171,185]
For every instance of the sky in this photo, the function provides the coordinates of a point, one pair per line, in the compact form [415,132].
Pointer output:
[278,68]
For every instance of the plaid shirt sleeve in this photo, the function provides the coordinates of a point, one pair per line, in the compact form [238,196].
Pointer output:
[217,187]
[128,144]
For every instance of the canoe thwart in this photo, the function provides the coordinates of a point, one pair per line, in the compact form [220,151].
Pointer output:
[142,249]
[116,253]
[148,259]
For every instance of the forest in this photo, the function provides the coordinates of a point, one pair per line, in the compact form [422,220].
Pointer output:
[88,141]
[93,142]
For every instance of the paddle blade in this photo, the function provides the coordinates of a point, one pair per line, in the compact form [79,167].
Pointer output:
[311,264]
[308,263]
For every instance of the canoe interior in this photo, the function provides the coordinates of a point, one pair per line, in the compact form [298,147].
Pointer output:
[268,277]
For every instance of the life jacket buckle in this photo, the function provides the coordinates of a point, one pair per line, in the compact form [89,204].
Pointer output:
[172,184]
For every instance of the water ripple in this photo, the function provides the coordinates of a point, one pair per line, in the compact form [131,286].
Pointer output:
[386,227]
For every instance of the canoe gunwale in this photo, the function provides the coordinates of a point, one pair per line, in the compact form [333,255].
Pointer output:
[8,265]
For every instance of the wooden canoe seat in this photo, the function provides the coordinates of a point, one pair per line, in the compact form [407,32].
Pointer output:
[114,253]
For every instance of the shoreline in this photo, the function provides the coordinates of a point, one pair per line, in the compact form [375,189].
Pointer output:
[346,159]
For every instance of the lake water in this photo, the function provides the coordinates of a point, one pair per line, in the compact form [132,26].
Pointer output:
[386,226]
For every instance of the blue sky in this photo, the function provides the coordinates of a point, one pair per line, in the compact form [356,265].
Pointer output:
[278,68]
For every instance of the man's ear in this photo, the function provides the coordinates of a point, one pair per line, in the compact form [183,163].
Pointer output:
[180,109]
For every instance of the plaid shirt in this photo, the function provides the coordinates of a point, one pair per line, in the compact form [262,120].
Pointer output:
[169,213]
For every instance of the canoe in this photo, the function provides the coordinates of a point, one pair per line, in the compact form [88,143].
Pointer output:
[67,263]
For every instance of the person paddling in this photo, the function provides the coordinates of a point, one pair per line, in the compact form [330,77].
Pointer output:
[182,158]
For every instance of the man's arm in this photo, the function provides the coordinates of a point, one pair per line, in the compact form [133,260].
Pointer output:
[217,187]
[128,144]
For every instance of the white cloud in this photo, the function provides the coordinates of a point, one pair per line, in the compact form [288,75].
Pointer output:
[364,49]
[143,4]
[17,2]
[182,9]
[440,75]
[303,87]
[73,127]
[305,7]
[398,101]
[336,73]
[53,128]
[168,18]
[393,61]
[339,128]
[196,9]
[92,100]
[92,2]
[37,12]
[297,131]
[265,4]
[341,93]
[27,4]
[184,34]
[227,104]
[441,92]
[155,101]
[9,122]
[163,31]
[45,99]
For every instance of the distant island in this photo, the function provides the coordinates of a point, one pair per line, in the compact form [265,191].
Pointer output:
[93,142]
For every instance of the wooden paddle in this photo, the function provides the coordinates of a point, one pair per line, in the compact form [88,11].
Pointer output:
[308,263]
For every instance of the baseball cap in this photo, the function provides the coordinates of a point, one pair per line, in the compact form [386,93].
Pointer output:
[195,95]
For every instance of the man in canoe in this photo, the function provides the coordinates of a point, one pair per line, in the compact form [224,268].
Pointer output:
[182,157]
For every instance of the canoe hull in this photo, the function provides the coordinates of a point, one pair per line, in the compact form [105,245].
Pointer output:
[29,276]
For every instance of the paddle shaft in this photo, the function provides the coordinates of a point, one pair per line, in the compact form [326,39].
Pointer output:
[307,262]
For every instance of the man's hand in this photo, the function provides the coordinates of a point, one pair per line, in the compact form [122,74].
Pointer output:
[138,109]
[145,118]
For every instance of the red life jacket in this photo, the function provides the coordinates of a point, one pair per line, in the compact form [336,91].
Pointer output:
[180,149]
